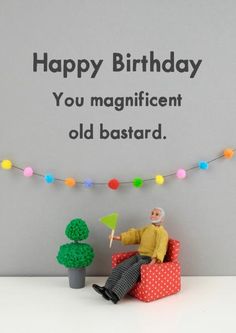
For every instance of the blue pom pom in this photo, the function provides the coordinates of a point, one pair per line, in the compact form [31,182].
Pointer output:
[203,165]
[49,178]
[88,183]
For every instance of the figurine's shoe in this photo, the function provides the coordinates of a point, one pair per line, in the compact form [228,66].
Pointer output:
[101,291]
[112,296]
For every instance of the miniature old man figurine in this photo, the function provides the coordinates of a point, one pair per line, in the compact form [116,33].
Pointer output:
[153,240]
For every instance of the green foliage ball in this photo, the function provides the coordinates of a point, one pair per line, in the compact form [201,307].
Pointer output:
[77,230]
[75,255]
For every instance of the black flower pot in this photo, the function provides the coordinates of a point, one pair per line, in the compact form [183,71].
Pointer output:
[76,277]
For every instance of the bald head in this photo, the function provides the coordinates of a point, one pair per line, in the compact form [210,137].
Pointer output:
[157,215]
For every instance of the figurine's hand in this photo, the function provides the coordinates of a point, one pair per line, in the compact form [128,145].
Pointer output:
[153,261]
[115,237]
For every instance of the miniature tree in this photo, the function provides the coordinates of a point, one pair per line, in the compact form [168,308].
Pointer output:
[75,254]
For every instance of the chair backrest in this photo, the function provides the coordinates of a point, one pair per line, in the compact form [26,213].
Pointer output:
[172,250]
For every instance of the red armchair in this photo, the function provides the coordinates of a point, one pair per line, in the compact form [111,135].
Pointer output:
[158,280]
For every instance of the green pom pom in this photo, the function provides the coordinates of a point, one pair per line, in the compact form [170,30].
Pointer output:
[75,255]
[137,182]
[77,230]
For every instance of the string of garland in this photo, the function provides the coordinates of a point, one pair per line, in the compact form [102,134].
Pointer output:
[114,183]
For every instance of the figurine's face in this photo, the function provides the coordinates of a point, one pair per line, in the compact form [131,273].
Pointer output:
[155,216]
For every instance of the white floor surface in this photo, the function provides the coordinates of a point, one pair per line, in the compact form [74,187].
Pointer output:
[47,304]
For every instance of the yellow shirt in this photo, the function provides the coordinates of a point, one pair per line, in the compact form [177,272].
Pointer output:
[153,240]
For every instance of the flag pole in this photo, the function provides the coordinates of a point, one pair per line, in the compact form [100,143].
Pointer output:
[110,221]
[112,234]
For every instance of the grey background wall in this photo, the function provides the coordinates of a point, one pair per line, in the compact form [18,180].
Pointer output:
[200,210]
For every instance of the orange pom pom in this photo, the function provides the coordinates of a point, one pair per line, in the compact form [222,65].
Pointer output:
[228,153]
[70,182]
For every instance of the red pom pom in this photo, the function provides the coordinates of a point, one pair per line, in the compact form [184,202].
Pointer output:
[114,184]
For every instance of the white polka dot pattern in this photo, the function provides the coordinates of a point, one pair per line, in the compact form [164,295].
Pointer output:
[158,280]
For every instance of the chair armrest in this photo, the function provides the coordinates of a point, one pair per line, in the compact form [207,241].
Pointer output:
[119,257]
[156,270]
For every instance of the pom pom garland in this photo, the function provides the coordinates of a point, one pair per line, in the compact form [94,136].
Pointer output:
[28,172]
[181,174]
[160,179]
[203,165]
[137,182]
[113,184]
[6,164]
[228,153]
[49,178]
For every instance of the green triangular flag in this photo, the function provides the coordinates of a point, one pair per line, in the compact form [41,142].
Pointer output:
[110,220]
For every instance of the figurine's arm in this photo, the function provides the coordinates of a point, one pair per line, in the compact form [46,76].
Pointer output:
[161,248]
[132,236]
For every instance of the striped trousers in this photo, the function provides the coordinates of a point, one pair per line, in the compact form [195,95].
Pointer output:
[126,274]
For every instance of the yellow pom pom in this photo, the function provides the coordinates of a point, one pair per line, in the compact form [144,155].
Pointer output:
[70,182]
[228,153]
[160,179]
[6,164]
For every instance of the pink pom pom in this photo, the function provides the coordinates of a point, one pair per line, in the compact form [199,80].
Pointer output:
[181,174]
[28,172]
